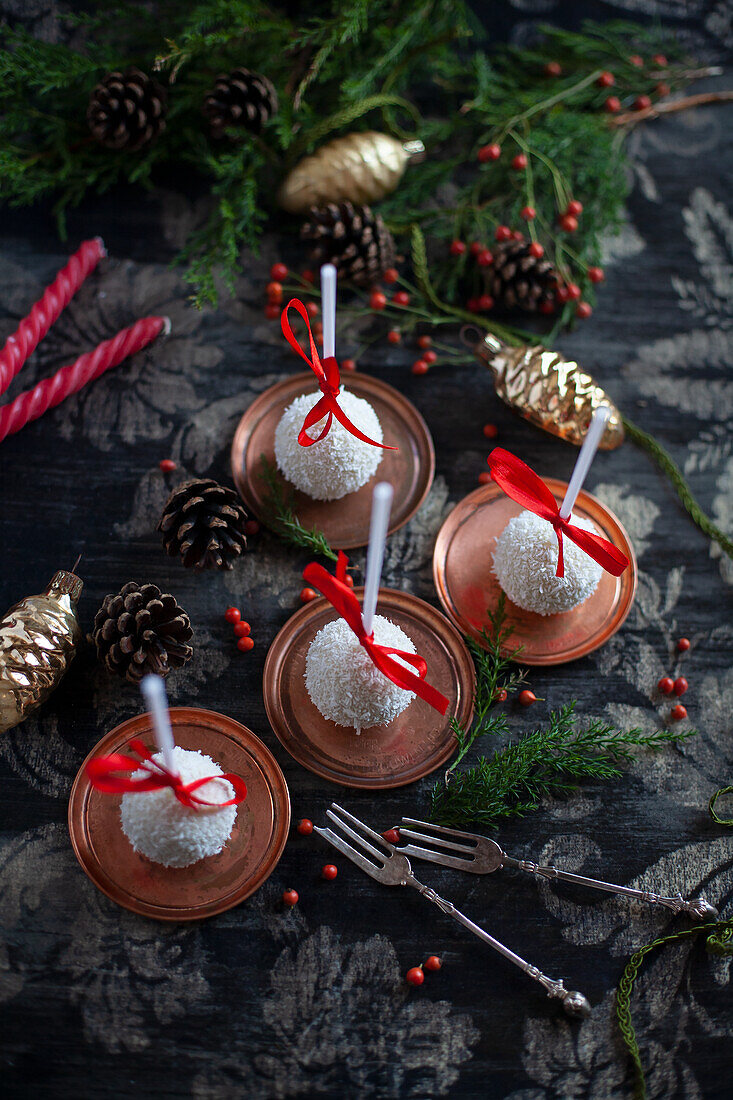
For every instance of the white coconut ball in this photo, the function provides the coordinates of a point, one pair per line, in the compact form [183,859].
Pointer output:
[163,829]
[336,465]
[525,560]
[343,682]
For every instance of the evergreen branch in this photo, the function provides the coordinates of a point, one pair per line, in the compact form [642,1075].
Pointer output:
[350,114]
[282,520]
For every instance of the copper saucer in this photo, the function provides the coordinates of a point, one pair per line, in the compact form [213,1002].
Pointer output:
[214,884]
[345,522]
[462,570]
[416,743]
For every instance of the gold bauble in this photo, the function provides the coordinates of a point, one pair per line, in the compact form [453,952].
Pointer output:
[360,168]
[38,640]
[552,392]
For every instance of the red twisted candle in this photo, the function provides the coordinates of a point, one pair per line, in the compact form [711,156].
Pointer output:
[52,391]
[47,309]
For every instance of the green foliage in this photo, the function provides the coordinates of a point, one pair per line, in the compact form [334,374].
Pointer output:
[282,520]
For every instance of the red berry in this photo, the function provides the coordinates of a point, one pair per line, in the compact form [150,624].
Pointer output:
[476,248]
[241,630]
[349,580]
[637,61]
[308,594]
[642,102]
[394,336]
[401,298]
[308,276]
[415,976]
[517,235]
[536,250]
[348,364]
[485,302]
[245,644]
[485,258]
[490,431]
[562,295]
[573,291]
[272,310]
[484,478]
[547,306]
[553,68]
[274,291]
[583,310]
[420,367]
[312,308]
[432,963]
[472,305]
[251,527]
[391,275]
[167,465]
[660,60]
[329,872]
[457,248]
[232,614]
[606,80]
[502,696]
[528,213]
[596,274]
[666,685]
[290,898]
[377,300]
[568,223]
[489,152]
[305,826]
[683,644]
[278,272]
[392,836]
[662,90]
[519,162]
[429,357]
[678,712]
[612,104]
[575,208]
[680,685]
[527,697]
[424,341]
[503,233]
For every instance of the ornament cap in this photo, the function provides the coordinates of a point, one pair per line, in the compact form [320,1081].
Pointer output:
[415,150]
[65,584]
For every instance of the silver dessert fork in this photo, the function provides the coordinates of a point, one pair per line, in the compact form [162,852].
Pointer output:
[482,856]
[388,865]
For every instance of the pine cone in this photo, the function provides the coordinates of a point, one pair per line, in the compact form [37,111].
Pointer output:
[204,523]
[352,238]
[140,630]
[127,110]
[518,280]
[242,98]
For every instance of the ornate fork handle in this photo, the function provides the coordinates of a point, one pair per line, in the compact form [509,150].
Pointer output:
[698,908]
[573,1002]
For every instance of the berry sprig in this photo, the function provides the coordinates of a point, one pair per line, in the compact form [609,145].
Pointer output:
[416,974]
[240,629]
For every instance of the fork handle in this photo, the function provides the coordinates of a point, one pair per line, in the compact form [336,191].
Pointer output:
[573,1002]
[698,908]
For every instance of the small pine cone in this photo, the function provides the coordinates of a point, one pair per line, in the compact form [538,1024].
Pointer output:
[518,280]
[352,238]
[242,98]
[127,110]
[141,630]
[204,523]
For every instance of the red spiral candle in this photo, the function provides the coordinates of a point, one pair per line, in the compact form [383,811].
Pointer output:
[47,309]
[52,391]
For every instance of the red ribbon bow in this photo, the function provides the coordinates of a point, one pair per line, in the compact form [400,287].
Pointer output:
[522,484]
[329,380]
[102,768]
[341,597]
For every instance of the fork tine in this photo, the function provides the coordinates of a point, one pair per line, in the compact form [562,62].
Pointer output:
[460,863]
[437,842]
[360,825]
[381,857]
[348,851]
[442,829]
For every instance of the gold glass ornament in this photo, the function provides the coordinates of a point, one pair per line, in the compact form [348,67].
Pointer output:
[360,168]
[38,640]
[552,392]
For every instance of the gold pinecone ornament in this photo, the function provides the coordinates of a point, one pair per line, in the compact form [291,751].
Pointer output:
[358,168]
[38,640]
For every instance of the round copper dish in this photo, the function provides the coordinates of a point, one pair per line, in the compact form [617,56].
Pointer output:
[344,522]
[462,569]
[416,743]
[213,884]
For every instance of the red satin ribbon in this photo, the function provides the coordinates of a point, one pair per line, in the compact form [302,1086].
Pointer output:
[522,484]
[101,771]
[341,597]
[329,380]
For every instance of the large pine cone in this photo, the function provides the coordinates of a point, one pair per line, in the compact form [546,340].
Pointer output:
[141,630]
[242,98]
[352,238]
[518,280]
[204,523]
[127,110]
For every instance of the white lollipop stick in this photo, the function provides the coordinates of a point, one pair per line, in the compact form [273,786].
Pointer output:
[153,690]
[381,507]
[328,309]
[587,452]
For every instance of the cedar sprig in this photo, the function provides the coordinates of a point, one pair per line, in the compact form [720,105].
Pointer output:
[282,520]
[547,763]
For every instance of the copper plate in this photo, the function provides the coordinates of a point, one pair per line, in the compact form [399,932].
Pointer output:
[463,564]
[213,884]
[416,743]
[344,522]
